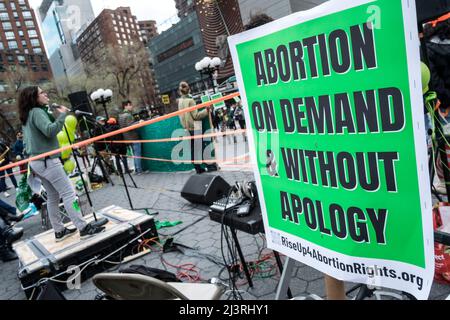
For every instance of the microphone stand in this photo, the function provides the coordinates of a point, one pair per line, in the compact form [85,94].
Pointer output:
[98,222]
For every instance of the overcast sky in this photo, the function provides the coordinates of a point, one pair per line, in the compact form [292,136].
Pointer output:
[159,10]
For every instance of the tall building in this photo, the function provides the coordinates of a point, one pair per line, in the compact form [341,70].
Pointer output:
[148,30]
[174,53]
[184,7]
[219,19]
[62,21]
[22,54]
[274,8]
[119,29]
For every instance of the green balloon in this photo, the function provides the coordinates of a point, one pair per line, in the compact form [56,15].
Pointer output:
[62,138]
[66,153]
[71,123]
[426,76]
[69,166]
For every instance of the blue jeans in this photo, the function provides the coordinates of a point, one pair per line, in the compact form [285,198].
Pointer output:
[137,152]
[2,177]
[7,208]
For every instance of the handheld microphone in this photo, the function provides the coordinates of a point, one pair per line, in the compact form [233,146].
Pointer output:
[79,112]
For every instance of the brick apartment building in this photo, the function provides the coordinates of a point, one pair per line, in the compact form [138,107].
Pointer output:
[115,28]
[22,57]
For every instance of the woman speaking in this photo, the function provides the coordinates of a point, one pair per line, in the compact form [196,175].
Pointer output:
[40,129]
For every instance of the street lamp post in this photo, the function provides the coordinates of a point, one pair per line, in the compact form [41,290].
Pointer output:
[102,97]
[210,67]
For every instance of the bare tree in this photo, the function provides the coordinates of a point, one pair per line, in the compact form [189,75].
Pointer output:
[14,78]
[126,71]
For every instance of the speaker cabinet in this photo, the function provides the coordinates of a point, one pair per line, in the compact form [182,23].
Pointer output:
[205,189]
[80,101]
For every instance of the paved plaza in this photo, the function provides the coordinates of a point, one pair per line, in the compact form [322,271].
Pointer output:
[161,192]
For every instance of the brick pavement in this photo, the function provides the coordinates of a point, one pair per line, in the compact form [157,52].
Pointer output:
[161,191]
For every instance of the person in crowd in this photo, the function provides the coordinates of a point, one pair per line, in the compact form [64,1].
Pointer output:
[239,118]
[8,233]
[437,38]
[258,20]
[100,146]
[40,130]
[119,150]
[192,122]
[5,159]
[19,150]
[126,119]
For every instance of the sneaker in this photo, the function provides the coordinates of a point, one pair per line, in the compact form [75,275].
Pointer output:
[89,231]
[6,194]
[67,232]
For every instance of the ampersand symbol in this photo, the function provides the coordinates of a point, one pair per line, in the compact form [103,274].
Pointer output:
[271,164]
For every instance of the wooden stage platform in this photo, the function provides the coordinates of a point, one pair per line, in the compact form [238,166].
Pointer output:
[43,257]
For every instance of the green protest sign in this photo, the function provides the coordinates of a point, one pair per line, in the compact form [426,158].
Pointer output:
[337,132]
[214,96]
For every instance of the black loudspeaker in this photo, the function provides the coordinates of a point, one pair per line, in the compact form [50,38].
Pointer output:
[205,189]
[431,9]
[80,101]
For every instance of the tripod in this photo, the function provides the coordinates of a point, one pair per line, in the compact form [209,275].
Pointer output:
[98,158]
[119,162]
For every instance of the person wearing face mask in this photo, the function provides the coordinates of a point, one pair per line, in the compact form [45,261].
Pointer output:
[40,130]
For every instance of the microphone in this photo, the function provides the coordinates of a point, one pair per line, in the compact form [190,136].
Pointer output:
[79,112]
[55,106]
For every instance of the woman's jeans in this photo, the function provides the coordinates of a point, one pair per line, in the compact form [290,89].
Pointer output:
[58,185]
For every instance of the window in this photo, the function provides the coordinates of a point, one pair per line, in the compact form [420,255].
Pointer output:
[7,25]
[24,43]
[2,6]
[37,50]
[21,59]
[127,25]
[4,16]
[29,23]
[26,14]
[10,58]
[13,6]
[32,33]
[114,22]
[34,42]
[119,41]
[12,44]
[18,24]
[21,33]
[120,23]
[116,29]
[1,46]
[10,35]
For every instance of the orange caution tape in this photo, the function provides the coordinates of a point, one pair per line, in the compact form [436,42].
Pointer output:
[200,136]
[243,157]
[110,134]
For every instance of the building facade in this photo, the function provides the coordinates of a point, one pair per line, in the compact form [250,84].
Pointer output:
[22,56]
[117,29]
[62,21]
[184,7]
[148,30]
[174,53]
[274,8]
